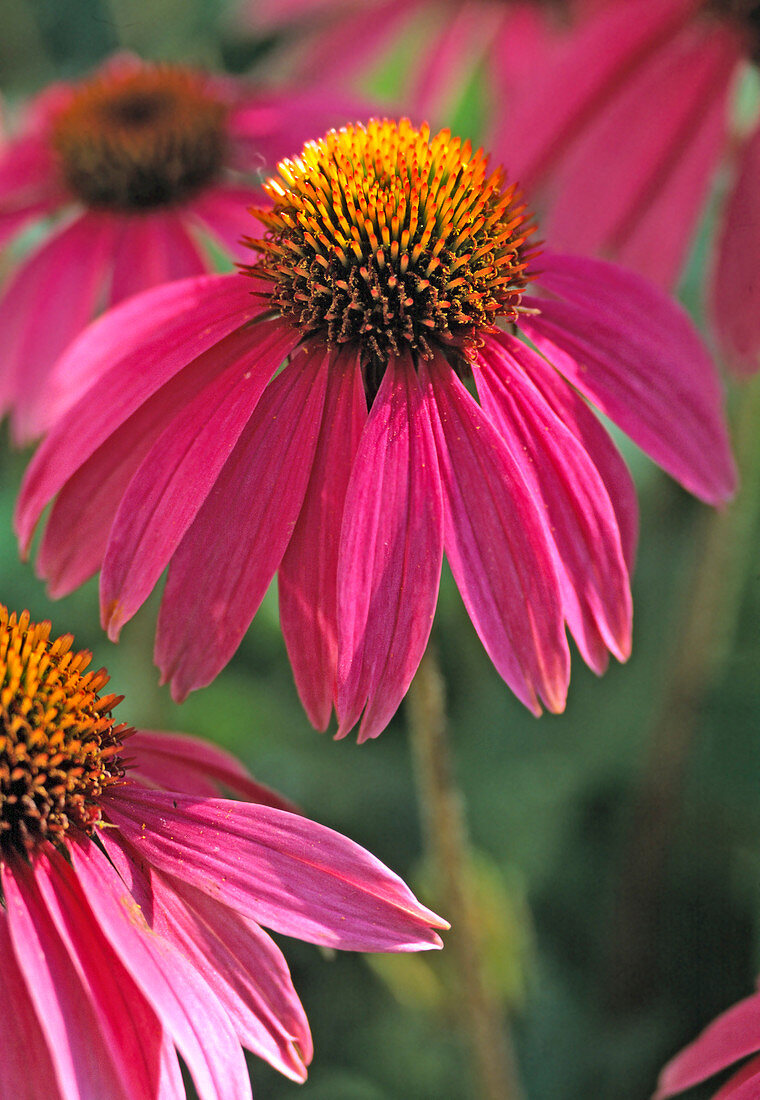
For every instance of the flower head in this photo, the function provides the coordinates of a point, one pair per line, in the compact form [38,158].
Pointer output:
[151,160]
[390,259]
[125,938]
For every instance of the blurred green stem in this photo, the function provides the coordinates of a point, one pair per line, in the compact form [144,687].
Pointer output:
[480,1016]
[707,620]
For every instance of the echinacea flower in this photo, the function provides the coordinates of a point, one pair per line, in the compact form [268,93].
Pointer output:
[132,897]
[388,259]
[144,166]
[625,126]
[734,1036]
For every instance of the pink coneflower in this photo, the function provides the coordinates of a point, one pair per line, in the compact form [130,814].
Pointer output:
[388,259]
[733,1036]
[144,166]
[626,124]
[131,913]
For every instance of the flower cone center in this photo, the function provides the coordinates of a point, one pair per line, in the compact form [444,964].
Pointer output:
[383,237]
[58,742]
[145,138]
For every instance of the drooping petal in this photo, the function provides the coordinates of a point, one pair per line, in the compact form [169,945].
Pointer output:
[154,248]
[167,491]
[70,1021]
[178,762]
[279,869]
[223,212]
[634,187]
[497,545]
[734,1035]
[307,580]
[13,221]
[24,1038]
[391,550]
[129,353]
[46,303]
[228,557]
[582,522]
[744,1085]
[638,357]
[735,288]
[184,1003]
[130,1029]
[575,414]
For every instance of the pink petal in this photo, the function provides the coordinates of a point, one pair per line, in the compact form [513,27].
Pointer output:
[228,557]
[223,212]
[635,185]
[279,869]
[178,762]
[744,1085]
[575,414]
[391,550]
[154,248]
[176,476]
[498,546]
[24,1042]
[734,1035]
[46,303]
[70,1021]
[638,357]
[307,580]
[13,221]
[29,173]
[182,1000]
[582,521]
[735,290]
[131,1031]
[451,53]
[580,79]
[130,353]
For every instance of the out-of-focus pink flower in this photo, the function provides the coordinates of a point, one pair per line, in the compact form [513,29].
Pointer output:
[733,1036]
[132,910]
[143,167]
[388,259]
[623,125]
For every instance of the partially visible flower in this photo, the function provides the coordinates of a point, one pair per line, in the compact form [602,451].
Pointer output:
[132,897]
[389,258]
[143,166]
[733,1036]
[623,128]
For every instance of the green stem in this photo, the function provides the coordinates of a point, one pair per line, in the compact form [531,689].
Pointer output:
[725,542]
[481,1018]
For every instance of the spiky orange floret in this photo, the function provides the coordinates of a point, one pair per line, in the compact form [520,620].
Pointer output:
[386,237]
[142,137]
[58,742]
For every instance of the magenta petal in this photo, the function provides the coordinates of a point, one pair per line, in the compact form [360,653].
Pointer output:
[24,1038]
[176,476]
[228,557]
[498,546]
[307,580]
[183,1002]
[129,353]
[638,357]
[635,185]
[154,249]
[744,1085]
[734,1035]
[391,550]
[223,212]
[49,300]
[13,221]
[70,1020]
[589,558]
[735,290]
[279,869]
[178,762]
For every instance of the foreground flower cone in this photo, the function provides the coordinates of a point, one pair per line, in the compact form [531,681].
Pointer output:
[133,894]
[147,165]
[390,256]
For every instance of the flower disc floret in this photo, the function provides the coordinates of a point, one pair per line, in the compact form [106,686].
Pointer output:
[58,742]
[384,237]
[141,138]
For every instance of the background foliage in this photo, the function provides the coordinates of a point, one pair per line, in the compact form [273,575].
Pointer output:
[551,803]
